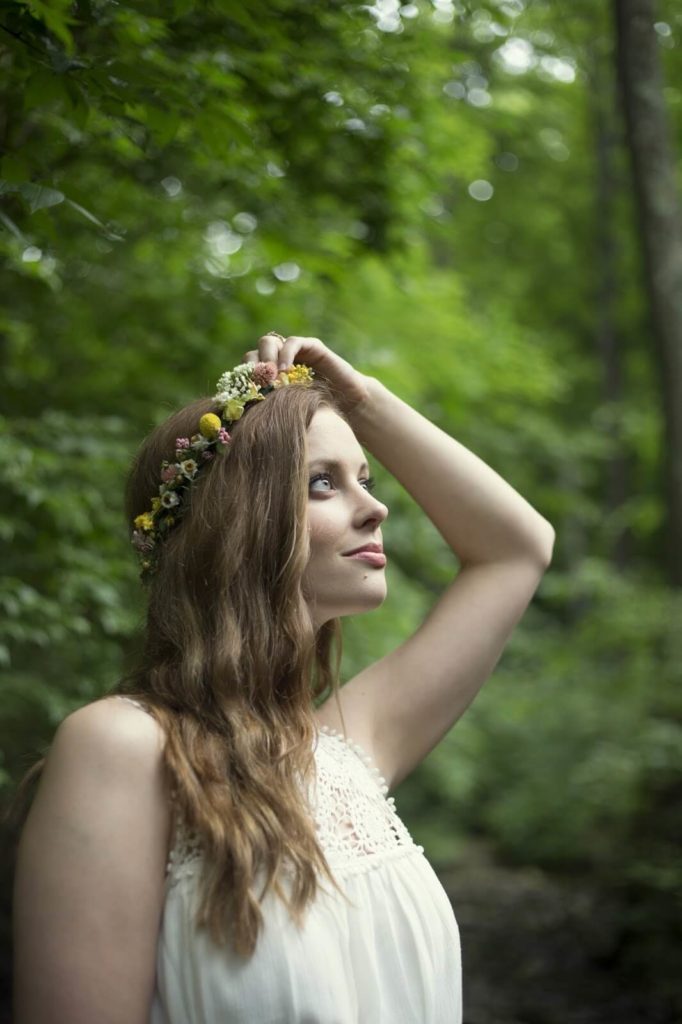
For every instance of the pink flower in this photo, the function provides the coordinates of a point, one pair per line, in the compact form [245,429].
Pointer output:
[264,373]
[169,473]
[207,456]
[223,436]
[181,442]
[142,543]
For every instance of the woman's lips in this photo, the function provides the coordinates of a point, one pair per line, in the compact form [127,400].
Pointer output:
[371,557]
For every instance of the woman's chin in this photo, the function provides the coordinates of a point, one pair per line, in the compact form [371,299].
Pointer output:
[371,598]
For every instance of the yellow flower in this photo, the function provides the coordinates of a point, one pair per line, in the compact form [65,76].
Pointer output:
[145,521]
[234,409]
[209,425]
[299,375]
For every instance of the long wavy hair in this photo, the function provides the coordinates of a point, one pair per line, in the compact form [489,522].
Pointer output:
[230,663]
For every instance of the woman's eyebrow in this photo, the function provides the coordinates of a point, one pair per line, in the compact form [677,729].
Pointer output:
[334,464]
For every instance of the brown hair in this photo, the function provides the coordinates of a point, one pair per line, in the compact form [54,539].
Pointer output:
[230,664]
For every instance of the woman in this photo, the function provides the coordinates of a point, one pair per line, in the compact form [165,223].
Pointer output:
[213,841]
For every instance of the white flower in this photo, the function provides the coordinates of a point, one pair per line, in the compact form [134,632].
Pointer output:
[234,383]
[169,499]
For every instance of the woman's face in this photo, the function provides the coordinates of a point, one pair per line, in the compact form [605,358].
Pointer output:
[342,515]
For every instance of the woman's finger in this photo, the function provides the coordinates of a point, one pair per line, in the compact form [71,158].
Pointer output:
[269,346]
[268,349]
[294,344]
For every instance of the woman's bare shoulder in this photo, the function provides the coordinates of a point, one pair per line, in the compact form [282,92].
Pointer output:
[107,735]
[121,713]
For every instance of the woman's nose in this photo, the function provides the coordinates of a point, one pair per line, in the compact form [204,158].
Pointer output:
[376,509]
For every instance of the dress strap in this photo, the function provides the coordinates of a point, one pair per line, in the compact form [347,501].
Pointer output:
[363,755]
[130,700]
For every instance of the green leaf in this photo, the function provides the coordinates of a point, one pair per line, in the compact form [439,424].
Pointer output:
[40,196]
[163,124]
[42,89]
[37,196]
[55,18]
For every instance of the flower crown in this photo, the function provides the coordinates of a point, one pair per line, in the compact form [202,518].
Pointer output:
[237,389]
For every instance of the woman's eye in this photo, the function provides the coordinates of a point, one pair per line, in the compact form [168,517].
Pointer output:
[370,482]
[320,476]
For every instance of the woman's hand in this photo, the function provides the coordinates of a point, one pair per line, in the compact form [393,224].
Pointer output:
[350,387]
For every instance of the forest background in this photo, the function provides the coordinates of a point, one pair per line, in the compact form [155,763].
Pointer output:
[476,202]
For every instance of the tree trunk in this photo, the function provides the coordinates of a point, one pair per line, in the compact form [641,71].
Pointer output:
[607,185]
[660,230]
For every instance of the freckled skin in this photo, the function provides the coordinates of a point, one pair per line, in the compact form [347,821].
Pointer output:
[342,514]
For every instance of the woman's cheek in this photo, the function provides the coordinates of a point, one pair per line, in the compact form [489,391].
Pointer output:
[324,531]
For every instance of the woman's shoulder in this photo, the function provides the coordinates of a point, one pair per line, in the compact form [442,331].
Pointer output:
[110,730]
[100,754]
[123,714]
[116,731]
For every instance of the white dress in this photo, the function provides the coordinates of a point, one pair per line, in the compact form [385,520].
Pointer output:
[392,958]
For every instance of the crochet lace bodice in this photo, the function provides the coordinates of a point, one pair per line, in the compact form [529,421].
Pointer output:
[356,823]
